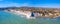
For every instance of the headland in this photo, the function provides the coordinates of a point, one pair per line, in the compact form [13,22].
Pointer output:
[36,12]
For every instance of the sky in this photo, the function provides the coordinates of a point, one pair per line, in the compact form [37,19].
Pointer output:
[30,3]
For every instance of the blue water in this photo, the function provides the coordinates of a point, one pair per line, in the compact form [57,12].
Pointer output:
[10,18]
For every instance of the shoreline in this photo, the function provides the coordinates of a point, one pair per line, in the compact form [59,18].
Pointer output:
[28,14]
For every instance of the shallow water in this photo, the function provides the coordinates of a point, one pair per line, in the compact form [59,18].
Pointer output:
[10,18]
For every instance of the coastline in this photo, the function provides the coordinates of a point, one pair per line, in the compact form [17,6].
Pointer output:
[27,14]
[22,19]
[36,15]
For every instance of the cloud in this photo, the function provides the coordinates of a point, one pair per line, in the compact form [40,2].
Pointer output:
[1,0]
[8,5]
[27,4]
[14,4]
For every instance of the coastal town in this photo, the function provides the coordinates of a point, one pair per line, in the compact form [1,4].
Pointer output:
[37,12]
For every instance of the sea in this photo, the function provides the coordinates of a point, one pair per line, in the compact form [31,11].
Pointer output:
[11,18]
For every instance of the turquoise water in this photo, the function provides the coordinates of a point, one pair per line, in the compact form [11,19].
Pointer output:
[10,18]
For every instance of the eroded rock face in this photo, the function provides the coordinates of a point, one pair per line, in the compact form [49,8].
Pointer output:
[40,12]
